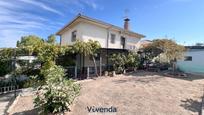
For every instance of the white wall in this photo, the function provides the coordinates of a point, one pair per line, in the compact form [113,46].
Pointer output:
[86,31]
[66,36]
[194,66]
[132,43]
[97,33]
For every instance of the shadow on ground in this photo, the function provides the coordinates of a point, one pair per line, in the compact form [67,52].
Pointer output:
[192,77]
[192,105]
[141,77]
[6,101]
[28,112]
[142,73]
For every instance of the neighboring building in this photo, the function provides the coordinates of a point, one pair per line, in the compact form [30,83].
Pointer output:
[111,38]
[193,61]
[143,43]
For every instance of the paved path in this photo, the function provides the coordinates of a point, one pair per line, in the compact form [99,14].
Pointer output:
[5,101]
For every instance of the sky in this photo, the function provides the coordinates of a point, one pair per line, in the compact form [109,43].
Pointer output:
[180,20]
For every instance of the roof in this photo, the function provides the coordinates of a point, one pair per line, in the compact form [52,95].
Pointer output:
[104,24]
[194,47]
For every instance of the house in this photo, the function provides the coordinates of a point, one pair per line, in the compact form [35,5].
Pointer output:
[111,38]
[193,60]
[143,44]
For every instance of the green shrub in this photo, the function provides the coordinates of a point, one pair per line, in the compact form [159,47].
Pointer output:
[132,60]
[118,61]
[123,61]
[5,67]
[57,93]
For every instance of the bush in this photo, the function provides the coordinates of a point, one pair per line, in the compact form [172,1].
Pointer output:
[123,61]
[57,93]
[132,60]
[5,67]
[118,61]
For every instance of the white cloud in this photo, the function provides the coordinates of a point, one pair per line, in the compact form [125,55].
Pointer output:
[42,5]
[82,4]
[16,21]
[17,17]
[9,37]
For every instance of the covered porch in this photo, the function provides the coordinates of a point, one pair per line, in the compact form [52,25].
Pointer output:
[83,66]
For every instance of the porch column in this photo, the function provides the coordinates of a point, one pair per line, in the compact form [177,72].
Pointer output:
[100,64]
[87,72]
[107,58]
[75,72]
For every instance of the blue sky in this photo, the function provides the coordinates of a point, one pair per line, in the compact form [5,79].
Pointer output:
[181,20]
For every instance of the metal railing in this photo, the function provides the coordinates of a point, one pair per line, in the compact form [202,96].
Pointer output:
[8,89]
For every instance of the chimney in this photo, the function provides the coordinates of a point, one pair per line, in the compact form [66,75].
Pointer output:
[126,23]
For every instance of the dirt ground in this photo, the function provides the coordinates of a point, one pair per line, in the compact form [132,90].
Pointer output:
[141,93]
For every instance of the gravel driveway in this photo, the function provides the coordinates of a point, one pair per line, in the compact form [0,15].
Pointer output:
[142,93]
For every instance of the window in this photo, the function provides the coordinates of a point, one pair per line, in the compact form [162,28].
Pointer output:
[132,47]
[122,42]
[112,38]
[188,58]
[74,33]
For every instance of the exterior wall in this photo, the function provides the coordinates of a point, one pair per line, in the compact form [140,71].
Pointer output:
[86,31]
[131,43]
[96,33]
[66,36]
[194,66]
[117,43]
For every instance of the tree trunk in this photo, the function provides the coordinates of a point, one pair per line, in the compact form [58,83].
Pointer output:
[174,66]
[94,61]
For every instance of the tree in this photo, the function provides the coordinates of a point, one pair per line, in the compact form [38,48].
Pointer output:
[51,39]
[5,61]
[89,48]
[57,93]
[167,47]
[92,50]
[48,52]
[166,50]
[30,43]
[152,51]
[5,67]
[6,54]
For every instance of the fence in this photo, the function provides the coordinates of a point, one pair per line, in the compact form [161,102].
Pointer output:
[202,105]
[91,71]
[74,72]
[8,89]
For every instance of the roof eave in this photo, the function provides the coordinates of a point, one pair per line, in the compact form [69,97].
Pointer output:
[96,21]
[67,25]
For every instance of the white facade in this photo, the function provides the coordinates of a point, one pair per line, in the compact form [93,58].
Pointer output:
[86,28]
[86,31]
[196,65]
[66,36]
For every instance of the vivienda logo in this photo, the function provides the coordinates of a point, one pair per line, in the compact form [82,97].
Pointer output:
[94,109]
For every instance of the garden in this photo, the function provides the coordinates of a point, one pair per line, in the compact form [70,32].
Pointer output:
[55,89]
